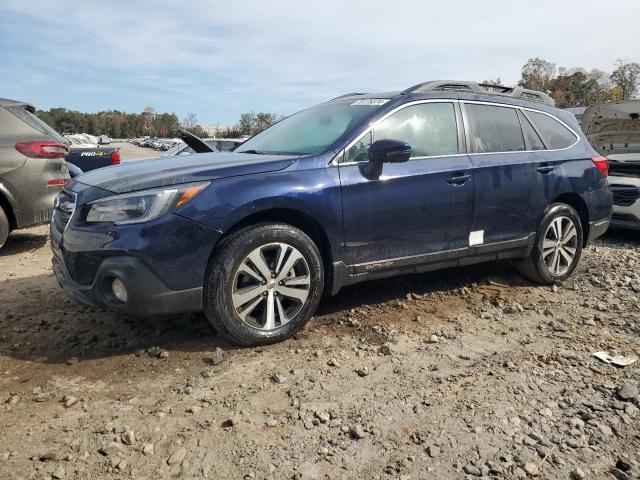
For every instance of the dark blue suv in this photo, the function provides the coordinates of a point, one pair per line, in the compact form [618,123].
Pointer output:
[364,186]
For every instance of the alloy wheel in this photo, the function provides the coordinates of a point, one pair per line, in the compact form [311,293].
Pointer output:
[560,245]
[270,286]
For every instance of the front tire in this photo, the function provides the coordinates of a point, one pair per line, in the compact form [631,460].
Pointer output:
[4,227]
[263,284]
[558,247]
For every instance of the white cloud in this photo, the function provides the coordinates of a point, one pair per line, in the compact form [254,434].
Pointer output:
[283,55]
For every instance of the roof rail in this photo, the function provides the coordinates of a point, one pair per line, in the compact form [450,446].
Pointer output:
[352,94]
[482,88]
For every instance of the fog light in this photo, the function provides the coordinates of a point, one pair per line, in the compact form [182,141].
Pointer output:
[119,290]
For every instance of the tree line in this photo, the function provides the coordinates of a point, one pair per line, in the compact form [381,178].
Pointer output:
[569,87]
[578,87]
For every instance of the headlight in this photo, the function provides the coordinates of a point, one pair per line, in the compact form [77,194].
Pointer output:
[142,206]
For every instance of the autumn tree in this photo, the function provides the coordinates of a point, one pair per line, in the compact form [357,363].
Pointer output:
[537,74]
[626,77]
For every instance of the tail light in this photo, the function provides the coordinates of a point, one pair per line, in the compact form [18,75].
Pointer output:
[602,164]
[115,157]
[56,183]
[42,149]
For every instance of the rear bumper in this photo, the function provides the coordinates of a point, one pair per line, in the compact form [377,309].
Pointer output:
[597,228]
[147,294]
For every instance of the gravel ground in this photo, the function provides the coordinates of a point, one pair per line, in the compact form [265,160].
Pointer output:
[464,373]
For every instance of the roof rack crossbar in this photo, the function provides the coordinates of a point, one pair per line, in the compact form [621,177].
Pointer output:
[482,88]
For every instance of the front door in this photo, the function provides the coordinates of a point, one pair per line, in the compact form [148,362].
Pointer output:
[404,210]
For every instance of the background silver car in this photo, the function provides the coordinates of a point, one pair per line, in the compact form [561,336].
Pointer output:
[614,131]
[32,167]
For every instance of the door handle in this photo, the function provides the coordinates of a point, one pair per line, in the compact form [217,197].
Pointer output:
[458,179]
[545,168]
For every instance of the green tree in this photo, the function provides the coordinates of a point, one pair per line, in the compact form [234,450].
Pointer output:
[537,74]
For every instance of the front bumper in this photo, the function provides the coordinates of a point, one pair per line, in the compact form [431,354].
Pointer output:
[147,294]
[626,216]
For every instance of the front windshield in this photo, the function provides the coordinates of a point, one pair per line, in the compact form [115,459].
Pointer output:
[309,131]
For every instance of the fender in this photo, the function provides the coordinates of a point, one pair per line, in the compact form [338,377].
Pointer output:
[4,191]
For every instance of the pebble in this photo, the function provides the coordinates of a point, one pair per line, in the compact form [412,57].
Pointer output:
[628,392]
[433,451]
[434,339]
[109,448]
[531,469]
[148,449]
[357,431]
[472,470]
[193,409]
[128,437]
[59,472]
[578,474]
[384,349]
[177,457]
[69,401]
[363,371]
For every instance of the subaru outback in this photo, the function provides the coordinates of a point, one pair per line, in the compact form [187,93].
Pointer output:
[364,186]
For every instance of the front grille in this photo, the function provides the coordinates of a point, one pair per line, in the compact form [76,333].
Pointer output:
[625,195]
[63,208]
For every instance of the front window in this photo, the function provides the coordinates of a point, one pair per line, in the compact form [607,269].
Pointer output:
[309,131]
[430,129]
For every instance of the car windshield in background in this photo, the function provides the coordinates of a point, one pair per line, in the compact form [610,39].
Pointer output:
[309,131]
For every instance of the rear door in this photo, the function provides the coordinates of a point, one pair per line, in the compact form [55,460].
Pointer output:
[508,187]
[414,208]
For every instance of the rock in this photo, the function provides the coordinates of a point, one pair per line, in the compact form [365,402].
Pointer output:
[357,431]
[434,339]
[193,409]
[546,412]
[69,401]
[231,422]
[48,457]
[385,349]
[578,474]
[363,371]
[207,463]
[128,437]
[109,448]
[472,470]
[324,417]
[177,457]
[59,472]
[531,469]
[272,422]
[148,449]
[333,362]
[278,378]
[433,451]
[628,392]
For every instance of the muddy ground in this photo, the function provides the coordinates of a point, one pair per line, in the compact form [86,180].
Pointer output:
[463,373]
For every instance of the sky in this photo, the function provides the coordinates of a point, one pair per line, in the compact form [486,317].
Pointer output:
[219,59]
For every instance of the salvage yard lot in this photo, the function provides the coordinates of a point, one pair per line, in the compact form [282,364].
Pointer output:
[442,375]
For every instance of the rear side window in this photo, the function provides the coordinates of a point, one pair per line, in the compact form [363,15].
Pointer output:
[430,129]
[555,134]
[494,129]
[532,139]
[30,119]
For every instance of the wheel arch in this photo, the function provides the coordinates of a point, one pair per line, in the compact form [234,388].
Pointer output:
[296,218]
[580,206]
[8,210]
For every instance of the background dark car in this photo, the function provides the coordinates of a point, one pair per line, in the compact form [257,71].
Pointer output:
[32,167]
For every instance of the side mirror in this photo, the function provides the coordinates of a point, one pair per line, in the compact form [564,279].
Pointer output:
[389,151]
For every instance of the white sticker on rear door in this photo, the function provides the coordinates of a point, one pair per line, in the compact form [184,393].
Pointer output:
[476,238]
[371,101]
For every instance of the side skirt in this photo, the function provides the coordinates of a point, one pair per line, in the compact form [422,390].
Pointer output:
[344,275]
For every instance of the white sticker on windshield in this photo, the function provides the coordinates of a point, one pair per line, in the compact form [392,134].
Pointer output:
[371,101]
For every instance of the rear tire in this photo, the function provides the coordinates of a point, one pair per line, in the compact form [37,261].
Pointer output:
[4,227]
[263,284]
[558,246]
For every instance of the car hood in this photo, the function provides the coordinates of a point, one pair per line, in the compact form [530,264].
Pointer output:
[613,128]
[165,171]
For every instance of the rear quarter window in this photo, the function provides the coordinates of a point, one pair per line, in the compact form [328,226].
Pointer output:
[34,122]
[555,134]
[494,129]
